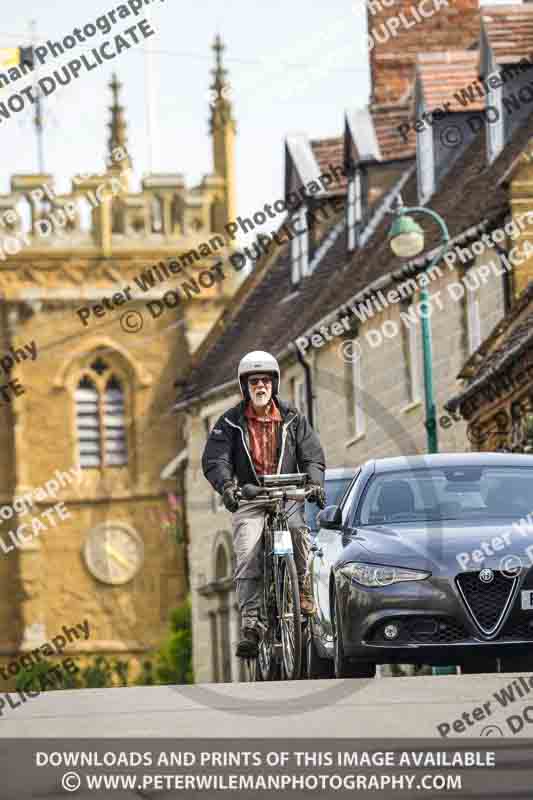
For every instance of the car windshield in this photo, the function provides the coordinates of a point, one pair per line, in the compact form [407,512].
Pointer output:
[455,492]
[334,491]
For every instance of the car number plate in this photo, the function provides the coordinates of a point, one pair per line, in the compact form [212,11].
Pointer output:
[527,600]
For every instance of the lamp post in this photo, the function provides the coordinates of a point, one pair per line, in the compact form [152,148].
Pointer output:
[406,239]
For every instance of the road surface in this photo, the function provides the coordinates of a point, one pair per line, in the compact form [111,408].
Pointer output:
[395,707]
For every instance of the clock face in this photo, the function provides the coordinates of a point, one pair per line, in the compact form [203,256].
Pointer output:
[113,553]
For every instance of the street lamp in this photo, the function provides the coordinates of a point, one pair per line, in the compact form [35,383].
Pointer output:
[406,239]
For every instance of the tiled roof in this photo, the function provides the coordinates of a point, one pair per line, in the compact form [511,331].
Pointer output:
[443,74]
[509,30]
[468,179]
[330,151]
[387,120]
[271,315]
[261,316]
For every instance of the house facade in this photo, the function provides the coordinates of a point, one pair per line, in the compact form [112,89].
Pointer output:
[496,399]
[342,314]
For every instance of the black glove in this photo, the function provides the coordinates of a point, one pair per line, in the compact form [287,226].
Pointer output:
[317,496]
[229,497]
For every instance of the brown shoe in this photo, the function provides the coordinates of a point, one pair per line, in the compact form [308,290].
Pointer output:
[307,605]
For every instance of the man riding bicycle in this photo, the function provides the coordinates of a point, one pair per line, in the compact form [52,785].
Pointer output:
[262,435]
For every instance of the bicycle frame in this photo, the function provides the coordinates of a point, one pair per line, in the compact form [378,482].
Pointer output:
[275,520]
[280,587]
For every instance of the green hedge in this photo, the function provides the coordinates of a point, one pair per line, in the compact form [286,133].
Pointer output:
[173,662]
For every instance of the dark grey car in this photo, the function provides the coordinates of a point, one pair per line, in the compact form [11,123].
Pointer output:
[427,560]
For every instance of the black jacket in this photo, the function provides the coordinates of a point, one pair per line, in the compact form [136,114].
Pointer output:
[227,451]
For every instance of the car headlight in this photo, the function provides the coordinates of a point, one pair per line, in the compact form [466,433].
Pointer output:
[375,575]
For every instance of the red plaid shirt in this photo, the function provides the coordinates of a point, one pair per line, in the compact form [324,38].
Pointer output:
[264,434]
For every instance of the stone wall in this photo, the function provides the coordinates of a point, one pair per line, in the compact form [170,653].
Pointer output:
[46,582]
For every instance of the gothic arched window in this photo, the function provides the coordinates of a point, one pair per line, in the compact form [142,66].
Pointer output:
[100,418]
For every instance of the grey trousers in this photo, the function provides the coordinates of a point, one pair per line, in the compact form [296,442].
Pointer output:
[248,524]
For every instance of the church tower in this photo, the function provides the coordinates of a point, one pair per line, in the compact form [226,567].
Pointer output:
[105,292]
[223,130]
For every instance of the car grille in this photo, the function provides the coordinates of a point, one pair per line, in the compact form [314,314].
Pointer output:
[518,626]
[445,630]
[422,630]
[485,601]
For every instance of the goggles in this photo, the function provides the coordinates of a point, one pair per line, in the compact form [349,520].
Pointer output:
[257,379]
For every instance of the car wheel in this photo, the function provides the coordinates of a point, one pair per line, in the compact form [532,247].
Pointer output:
[476,666]
[316,666]
[343,667]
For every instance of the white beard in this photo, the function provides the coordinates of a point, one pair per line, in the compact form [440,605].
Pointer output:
[262,400]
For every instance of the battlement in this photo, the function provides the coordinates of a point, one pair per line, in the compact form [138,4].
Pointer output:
[35,216]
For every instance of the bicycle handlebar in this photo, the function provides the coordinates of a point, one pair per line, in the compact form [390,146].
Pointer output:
[251,492]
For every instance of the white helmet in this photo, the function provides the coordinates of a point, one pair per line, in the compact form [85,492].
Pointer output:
[258,361]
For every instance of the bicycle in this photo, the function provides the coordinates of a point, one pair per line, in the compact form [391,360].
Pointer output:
[281,643]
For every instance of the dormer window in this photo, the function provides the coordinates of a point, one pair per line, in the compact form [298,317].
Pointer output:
[299,245]
[494,121]
[425,164]
[354,208]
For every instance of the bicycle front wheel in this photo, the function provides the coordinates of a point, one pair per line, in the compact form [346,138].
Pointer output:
[290,621]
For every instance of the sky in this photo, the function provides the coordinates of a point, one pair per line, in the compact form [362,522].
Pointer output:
[293,67]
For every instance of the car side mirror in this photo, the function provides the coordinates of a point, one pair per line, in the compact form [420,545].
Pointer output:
[330,517]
